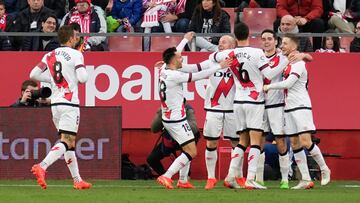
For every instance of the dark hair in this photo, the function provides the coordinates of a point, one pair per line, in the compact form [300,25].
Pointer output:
[27,83]
[50,15]
[293,38]
[168,54]
[2,2]
[216,10]
[65,33]
[269,31]
[76,26]
[241,31]
[336,42]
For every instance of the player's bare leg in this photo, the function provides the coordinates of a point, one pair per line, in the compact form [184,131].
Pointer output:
[189,152]
[284,161]
[253,159]
[237,156]
[314,150]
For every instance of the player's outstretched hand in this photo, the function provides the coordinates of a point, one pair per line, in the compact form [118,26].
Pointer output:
[226,63]
[189,35]
[266,88]
[159,64]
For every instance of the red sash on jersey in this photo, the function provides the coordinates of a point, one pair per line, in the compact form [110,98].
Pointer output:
[83,19]
[3,22]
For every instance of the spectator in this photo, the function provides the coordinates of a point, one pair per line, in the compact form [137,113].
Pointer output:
[91,20]
[28,20]
[307,14]
[334,13]
[355,44]
[182,17]
[103,4]
[5,44]
[208,17]
[288,25]
[58,6]
[11,7]
[127,13]
[330,45]
[26,99]
[37,43]
[4,18]
[158,10]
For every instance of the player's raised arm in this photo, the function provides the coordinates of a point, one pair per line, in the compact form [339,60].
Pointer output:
[271,70]
[294,75]
[192,68]
[187,38]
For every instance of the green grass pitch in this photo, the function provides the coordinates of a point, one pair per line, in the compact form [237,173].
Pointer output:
[140,191]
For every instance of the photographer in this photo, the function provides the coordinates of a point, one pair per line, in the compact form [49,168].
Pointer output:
[30,96]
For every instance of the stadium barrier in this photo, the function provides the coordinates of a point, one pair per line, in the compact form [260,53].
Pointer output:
[27,134]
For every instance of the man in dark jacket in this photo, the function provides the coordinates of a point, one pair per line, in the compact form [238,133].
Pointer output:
[37,43]
[28,20]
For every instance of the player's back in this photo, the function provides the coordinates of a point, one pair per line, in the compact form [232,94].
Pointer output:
[62,64]
[297,95]
[171,94]
[249,77]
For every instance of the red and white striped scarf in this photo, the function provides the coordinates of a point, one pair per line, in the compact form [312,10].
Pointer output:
[83,19]
[3,22]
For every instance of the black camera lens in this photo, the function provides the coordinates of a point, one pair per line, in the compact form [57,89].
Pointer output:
[43,92]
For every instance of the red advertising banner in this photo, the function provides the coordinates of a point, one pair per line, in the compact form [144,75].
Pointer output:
[27,134]
[130,80]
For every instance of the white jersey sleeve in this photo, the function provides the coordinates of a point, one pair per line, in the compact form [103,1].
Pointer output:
[192,68]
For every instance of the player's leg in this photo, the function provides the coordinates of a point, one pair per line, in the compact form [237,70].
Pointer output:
[284,161]
[212,130]
[259,177]
[306,126]
[183,181]
[183,135]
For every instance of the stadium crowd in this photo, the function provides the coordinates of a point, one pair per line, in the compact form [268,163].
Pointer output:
[179,16]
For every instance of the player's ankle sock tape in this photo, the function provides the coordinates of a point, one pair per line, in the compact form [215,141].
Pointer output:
[283,154]
[187,155]
[241,147]
[297,150]
[255,146]
[66,146]
[311,147]
[211,149]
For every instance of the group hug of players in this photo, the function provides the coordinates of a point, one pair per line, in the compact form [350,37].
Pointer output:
[250,92]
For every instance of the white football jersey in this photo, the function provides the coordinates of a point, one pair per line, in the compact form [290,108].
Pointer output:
[247,71]
[275,96]
[61,64]
[220,91]
[297,95]
[171,93]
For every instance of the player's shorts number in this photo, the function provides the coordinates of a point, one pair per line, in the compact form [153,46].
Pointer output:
[186,127]
[58,77]
[162,91]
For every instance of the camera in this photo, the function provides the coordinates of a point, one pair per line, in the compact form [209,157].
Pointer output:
[43,92]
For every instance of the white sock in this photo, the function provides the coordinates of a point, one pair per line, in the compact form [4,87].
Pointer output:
[184,173]
[301,161]
[71,162]
[284,166]
[236,156]
[55,153]
[260,168]
[179,163]
[210,160]
[318,157]
[253,161]
[239,170]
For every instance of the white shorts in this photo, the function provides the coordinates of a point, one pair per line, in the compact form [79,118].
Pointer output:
[249,116]
[299,121]
[66,118]
[217,122]
[274,121]
[180,131]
